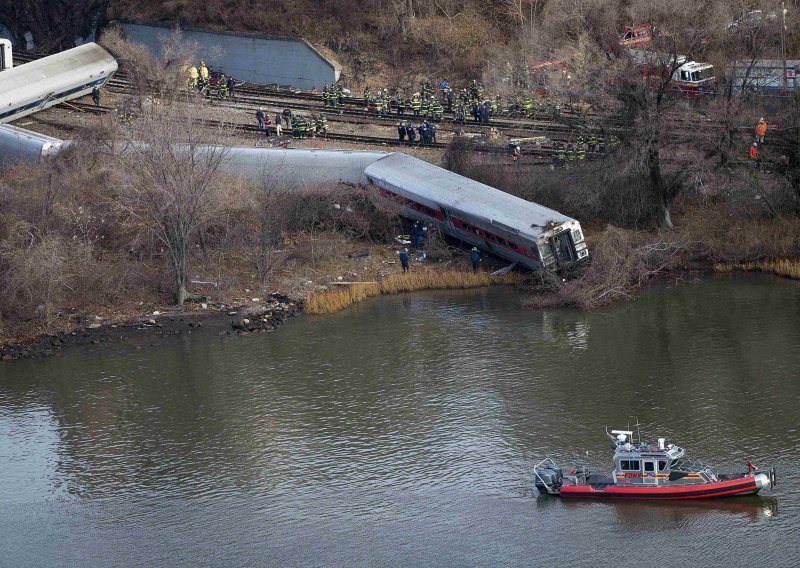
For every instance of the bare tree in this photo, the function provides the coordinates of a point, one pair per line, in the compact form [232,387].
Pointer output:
[171,182]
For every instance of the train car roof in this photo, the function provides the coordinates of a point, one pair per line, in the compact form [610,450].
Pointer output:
[53,65]
[473,198]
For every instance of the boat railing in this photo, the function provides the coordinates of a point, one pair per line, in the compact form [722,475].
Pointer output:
[694,466]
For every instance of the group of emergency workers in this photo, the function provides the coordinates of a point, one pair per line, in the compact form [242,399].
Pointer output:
[570,154]
[202,81]
[426,130]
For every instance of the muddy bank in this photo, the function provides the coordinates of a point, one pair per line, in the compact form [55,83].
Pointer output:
[261,317]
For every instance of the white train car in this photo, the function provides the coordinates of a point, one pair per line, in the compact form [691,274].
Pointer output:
[48,81]
[18,144]
[6,57]
[492,220]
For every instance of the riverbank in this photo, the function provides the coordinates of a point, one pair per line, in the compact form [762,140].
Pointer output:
[262,316]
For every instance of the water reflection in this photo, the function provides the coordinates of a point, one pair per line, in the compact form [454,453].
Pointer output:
[414,419]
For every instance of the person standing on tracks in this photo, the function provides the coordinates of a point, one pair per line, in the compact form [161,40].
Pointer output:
[231,84]
[761,130]
[404,259]
[222,86]
[278,129]
[287,117]
[562,156]
[432,130]
[411,133]
[516,155]
[203,73]
[260,118]
[401,132]
[416,103]
[194,75]
[96,96]
[475,258]
[425,133]
[570,154]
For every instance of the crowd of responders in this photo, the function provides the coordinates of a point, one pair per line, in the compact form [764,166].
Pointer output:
[470,103]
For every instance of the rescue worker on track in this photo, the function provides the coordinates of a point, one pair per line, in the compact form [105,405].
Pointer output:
[96,96]
[416,103]
[194,75]
[401,132]
[761,130]
[222,86]
[411,132]
[570,153]
[322,125]
[203,73]
[516,157]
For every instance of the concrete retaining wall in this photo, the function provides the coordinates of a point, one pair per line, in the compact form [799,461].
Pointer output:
[252,58]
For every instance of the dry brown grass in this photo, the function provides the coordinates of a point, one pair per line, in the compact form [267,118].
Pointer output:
[335,300]
[782,267]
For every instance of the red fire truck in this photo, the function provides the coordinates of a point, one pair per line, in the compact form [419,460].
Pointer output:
[636,36]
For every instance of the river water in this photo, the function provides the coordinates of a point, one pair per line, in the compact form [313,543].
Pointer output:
[403,432]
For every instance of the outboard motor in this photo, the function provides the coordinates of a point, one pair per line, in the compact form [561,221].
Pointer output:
[548,479]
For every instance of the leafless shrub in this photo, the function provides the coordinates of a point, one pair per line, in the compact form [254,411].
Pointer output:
[159,75]
[622,262]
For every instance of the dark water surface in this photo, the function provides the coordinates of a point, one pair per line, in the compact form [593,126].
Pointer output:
[403,432]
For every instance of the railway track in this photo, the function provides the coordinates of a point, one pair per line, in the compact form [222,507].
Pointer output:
[572,122]
[568,126]
[541,156]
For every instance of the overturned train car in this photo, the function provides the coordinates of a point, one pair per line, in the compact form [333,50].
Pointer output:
[507,226]
[45,82]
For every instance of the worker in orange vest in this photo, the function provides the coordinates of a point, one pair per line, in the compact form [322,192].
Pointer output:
[754,154]
[761,130]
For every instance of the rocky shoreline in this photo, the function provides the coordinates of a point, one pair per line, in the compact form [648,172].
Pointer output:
[263,317]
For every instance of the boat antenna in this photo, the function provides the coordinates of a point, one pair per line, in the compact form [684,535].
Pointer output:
[638,431]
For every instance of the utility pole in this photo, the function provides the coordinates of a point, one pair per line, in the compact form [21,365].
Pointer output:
[783,43]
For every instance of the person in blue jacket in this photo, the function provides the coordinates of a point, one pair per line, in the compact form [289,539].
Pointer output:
[475,257]
[404,259]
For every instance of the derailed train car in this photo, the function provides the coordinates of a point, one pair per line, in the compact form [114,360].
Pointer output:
[40,84]
[507,226]
[18,144]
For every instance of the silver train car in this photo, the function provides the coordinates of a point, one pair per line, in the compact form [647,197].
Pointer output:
[53,79]
[509,227]
[6,56]
[18,144]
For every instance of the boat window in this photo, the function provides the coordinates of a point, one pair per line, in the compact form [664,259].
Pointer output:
[649,466]
[662,465]
[629,465]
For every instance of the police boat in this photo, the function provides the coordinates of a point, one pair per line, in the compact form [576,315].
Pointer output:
[650,471]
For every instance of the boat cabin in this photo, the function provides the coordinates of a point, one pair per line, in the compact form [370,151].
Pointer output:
[651,464]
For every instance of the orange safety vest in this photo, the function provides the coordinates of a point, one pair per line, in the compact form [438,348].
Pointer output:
[761,129]
[753,152]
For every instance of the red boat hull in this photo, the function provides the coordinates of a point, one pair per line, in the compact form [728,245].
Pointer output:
[746,486]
